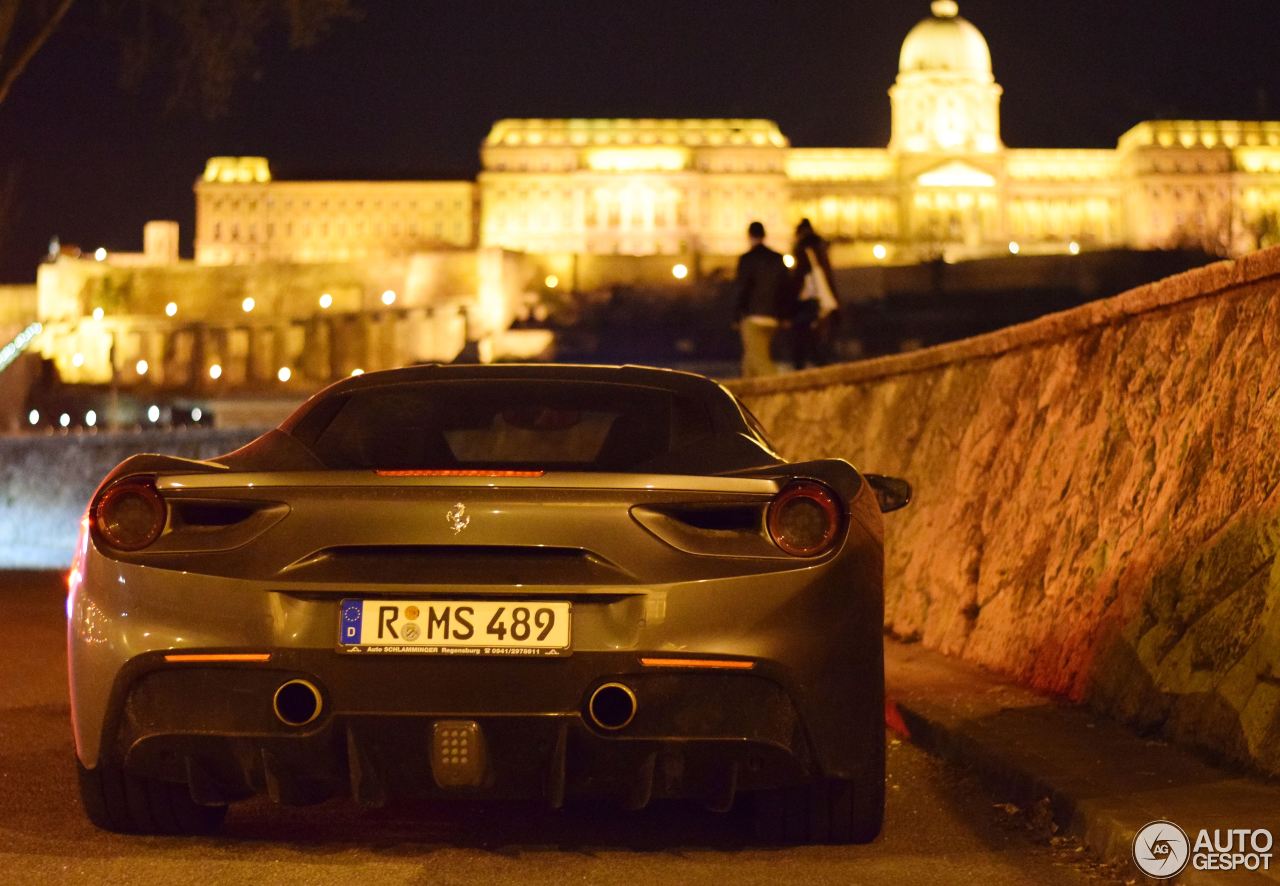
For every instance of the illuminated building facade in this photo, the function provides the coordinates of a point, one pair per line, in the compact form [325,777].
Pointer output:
[630,187]
[326,278]
[245,217]
[946,185]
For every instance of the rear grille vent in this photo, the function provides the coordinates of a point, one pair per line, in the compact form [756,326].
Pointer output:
[719,518]
[210,513]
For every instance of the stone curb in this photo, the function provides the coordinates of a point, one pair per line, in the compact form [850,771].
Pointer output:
[1029,748]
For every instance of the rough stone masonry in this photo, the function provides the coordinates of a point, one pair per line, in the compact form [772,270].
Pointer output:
[1097,506]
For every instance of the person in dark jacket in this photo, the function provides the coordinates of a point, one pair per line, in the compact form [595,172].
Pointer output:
[762,286]
[817,309]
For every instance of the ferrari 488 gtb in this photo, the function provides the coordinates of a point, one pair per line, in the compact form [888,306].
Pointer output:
[523,581]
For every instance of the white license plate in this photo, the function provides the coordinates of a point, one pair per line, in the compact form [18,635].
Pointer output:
[455,627]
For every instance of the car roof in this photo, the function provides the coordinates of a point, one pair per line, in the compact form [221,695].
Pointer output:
[724,406]
[637,375]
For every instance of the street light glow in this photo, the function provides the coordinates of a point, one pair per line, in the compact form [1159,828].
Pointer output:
[171,308]
[1073,248]
[141,367]
[326,302]
[285,373]
[33,417]
[357,371]
[389,297]
[153,413]
[197,413]
[215,371]
[552,281]
[64,420]
[98,313]
[879,251]
[91,418]
[77,360]
[1014,248]
[789,260]
[100,254]
[248,305]
[680,271]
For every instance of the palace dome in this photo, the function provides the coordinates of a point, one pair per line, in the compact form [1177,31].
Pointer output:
[946,43]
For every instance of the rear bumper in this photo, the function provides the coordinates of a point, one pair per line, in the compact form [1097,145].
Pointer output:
[701,735]
[810,706]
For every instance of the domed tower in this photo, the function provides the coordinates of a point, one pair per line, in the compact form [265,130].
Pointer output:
[945,99]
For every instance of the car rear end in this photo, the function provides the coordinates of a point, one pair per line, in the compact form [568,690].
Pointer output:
[427,627]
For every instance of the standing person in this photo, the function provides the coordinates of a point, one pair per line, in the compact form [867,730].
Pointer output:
[762,285]
[818,305]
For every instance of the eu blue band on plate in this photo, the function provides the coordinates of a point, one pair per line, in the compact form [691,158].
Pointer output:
[351,613]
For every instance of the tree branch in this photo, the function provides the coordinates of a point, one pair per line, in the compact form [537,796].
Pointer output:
[13,71]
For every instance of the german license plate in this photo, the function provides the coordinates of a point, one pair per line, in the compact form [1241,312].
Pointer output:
[455,627]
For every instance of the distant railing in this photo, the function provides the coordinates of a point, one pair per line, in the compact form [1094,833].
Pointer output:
[14,349]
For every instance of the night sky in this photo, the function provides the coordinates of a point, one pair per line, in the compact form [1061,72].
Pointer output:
[410,90]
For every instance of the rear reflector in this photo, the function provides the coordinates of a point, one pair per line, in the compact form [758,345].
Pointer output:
[218,656]
[460,473]
[723,663]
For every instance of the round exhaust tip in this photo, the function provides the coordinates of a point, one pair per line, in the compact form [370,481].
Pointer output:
[612,706]
[297,703]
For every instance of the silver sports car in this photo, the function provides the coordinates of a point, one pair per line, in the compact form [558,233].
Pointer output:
[526,581]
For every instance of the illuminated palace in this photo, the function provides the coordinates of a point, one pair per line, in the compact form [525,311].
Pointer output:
[945,185]
[298,282]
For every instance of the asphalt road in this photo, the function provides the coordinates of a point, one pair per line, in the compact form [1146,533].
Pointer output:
[942,827]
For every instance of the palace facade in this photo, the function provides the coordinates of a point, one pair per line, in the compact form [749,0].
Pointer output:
[946,185]
[296,283]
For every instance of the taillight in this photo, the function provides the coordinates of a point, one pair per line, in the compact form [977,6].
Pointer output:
[129,515]
[804,519]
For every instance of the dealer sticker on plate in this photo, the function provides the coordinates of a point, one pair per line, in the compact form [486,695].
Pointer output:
[455,627]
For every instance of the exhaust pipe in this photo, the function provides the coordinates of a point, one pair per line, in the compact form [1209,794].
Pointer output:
[297,703]
[612,706]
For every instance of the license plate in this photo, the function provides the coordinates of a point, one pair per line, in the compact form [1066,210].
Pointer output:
[455,627]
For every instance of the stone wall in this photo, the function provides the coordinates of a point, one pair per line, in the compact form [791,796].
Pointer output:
[1097,498]
[46,481]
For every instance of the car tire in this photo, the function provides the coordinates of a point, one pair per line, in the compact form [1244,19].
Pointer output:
[833,810]
[116,801]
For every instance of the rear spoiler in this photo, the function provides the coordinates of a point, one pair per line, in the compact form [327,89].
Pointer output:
[156,463]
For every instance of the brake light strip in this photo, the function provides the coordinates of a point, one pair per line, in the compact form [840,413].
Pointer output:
[459,473]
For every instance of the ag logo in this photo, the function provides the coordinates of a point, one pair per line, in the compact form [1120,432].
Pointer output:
[458,518]
[1161,849]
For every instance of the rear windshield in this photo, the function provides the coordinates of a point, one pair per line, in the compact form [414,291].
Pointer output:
[509,424]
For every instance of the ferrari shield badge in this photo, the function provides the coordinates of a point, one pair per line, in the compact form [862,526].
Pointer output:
[458,518]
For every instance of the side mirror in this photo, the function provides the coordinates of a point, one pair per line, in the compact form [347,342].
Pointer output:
[892,492]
